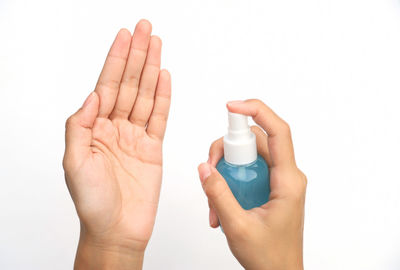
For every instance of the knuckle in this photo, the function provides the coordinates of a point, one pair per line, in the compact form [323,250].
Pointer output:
[299,192]
[262,106]
[161,117]
[295,190]
[70,121]
[121,111]
[163,94]
[285,127]
[214,188]
[111,83]
[215,144]
[303,178]
[256,102]
[131,80]
[65,163]
[297,195]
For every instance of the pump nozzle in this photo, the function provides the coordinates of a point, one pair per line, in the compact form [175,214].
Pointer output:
[237,121]
[240,143]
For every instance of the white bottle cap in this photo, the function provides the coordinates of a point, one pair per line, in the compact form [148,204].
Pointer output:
[240,143]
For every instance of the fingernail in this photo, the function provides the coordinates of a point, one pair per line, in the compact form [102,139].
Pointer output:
[234,102]
[88,100]
[204,171]
[213,220]
[210,219]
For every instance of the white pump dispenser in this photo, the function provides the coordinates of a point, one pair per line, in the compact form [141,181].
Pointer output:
[240,146]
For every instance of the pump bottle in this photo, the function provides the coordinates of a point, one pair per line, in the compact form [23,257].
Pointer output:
[244,170]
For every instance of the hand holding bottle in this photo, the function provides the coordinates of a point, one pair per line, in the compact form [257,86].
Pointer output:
[113,155]
[269,236]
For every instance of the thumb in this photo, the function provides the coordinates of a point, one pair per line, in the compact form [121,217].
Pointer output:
[78,134]
[220,196]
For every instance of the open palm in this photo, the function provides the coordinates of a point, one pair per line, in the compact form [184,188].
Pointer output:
[113,157]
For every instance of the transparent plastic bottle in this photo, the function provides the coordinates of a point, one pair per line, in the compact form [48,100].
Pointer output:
[244,170]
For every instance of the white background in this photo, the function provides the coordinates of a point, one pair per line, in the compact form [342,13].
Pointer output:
[331,68]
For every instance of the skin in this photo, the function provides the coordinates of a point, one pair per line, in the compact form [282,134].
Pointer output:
[269,237]
[113,156]
[113,168]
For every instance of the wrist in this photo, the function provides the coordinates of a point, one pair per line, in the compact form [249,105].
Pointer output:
[108,252]
[293,260]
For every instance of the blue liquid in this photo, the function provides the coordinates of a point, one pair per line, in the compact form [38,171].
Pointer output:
[249,183]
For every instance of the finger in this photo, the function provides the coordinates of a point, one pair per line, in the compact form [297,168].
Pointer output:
[279,137]
[130,79]
[78,133]
[159,116]
[148,82]
[220,196]
[262,144]
[216,152]
[108,84]
[213,218]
